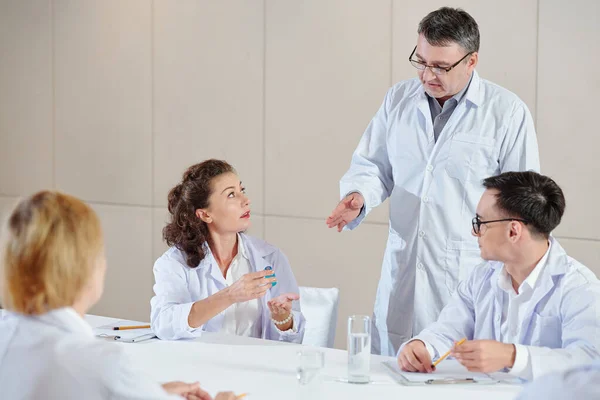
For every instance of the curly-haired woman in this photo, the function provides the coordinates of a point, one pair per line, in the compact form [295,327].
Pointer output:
[214,277]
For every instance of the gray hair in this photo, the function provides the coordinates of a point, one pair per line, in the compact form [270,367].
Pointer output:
[447,25]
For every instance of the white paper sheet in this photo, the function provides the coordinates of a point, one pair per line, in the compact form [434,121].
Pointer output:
[450,370]
[128,336]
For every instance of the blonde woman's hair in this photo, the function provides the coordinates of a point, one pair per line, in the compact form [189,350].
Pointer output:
[49,248]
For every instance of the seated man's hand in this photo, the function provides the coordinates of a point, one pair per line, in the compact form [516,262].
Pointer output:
[485,355]
[414,357]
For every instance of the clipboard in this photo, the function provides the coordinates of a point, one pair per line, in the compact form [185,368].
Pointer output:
[452,366]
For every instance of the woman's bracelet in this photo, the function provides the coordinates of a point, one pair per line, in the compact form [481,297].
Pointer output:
[284,321]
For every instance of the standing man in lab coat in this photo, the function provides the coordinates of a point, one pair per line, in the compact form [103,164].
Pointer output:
[428,148]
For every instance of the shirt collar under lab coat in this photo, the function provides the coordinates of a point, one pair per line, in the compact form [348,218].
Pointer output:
[472,95]
[249,246]
[241,254]
[556,266]
[433,102]
[255,250]
[505,281]
[241,248]
[556,263]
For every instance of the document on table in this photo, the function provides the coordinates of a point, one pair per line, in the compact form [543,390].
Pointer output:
[449,371]
[127,336]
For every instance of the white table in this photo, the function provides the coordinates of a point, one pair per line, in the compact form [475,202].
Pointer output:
[267,370]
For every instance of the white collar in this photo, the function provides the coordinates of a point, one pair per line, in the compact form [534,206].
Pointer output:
[505,281]
[241,248]
[67,319]
[535,274]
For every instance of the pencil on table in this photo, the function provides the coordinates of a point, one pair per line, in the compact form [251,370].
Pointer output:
[122,328]
[439,360]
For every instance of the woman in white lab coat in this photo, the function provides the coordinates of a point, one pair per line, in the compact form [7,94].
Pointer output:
[214,277]
[52,269]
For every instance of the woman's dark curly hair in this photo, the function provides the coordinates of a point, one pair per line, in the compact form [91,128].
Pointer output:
[186,231]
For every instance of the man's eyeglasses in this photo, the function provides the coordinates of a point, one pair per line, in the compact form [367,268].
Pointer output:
[435,69]
[477,222]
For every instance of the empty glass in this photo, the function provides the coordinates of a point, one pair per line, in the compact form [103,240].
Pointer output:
[310,363]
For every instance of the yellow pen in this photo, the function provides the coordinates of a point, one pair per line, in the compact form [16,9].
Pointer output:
[241,396]
[439,360]
[122,328]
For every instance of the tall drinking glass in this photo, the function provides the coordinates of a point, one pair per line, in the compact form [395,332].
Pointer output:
[359,348]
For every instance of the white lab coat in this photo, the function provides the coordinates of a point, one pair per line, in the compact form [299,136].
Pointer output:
[434,188]
[561,325]
[178,287]
[56,356]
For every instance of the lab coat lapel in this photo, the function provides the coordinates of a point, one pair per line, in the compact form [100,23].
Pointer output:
[556,266]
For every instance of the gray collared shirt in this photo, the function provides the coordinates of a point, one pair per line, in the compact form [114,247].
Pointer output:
[439,115]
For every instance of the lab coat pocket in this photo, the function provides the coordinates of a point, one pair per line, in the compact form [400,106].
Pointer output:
[471,157]
[546,331]
[461,258]
[394,237]
[395,255]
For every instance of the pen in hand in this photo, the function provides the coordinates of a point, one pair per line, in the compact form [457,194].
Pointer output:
[439,360]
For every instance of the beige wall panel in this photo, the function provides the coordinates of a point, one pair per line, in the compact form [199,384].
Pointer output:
[25,97]
[103,100]
[208,77]
[567,86]
[327,71]
[129,279]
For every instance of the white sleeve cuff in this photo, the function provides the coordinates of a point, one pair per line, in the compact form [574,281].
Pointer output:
[186,309]
[430,349]
[522,365]
[361,215]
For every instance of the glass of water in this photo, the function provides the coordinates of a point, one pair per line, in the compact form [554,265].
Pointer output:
[359,348]
[310,363]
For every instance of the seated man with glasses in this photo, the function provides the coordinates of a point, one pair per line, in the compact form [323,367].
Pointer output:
[529,308]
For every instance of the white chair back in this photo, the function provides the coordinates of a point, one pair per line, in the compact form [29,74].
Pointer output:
[320,308]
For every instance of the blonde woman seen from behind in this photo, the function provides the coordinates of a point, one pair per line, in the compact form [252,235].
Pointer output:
[52,268]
